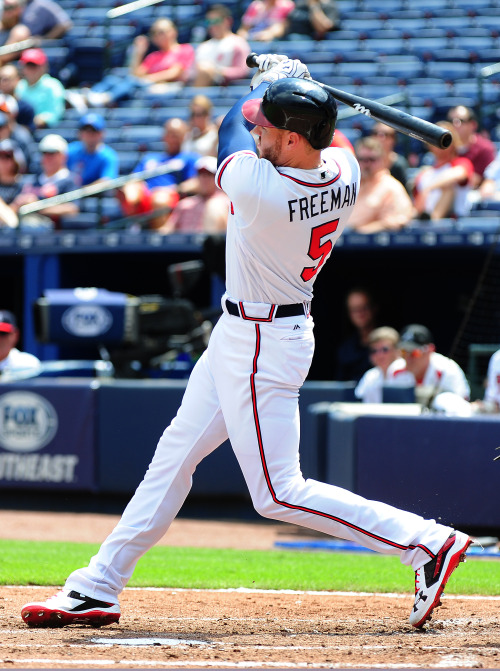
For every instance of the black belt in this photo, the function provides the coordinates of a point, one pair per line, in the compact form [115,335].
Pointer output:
[292,310]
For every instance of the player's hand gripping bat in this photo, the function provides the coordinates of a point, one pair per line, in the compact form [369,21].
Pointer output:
[402,121]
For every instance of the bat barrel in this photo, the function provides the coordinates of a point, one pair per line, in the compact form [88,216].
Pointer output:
[402,121]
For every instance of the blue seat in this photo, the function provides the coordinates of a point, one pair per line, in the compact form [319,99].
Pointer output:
[403,69]
[361,70]
[142,135]
[79,221]
[127,116]
[385,45]
[448,70]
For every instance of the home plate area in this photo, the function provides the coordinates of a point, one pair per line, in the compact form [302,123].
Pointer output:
[257,629]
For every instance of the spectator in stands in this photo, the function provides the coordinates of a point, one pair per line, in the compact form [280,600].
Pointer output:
[353,356]
[490,186]
[9,79]
[89,158]
[265,20]
[202,136]
[163,191]
[314,18]
[44,93]
[33,18]
[222,58]
[382,203]
[205,212]
[394,162]
[12,165]
[53,179]
[166,69]
[440,383]
[389,366]
[7,132]
[491,401]
[478,149]
[442,189]
[12,360]
[21,135]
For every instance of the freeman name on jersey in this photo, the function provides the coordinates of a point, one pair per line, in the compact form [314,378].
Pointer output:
[322,202]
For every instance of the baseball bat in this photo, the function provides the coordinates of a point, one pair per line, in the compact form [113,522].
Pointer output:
[402,121]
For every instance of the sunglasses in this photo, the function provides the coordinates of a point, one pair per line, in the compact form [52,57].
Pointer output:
[367,159]
[380,350]
[382,133]
[6,154]
[215,21]
[413,353]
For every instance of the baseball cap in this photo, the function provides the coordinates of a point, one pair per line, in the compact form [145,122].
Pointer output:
[36,56]
[8,322]
[208,163]
[415,336]
[94,120]
[9,147]
[53,144]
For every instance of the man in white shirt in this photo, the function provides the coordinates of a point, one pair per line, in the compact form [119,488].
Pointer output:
[389,368]
[440,382]
[222,58]
[12,361]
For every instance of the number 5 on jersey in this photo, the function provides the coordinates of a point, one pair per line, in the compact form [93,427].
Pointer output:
[317,249]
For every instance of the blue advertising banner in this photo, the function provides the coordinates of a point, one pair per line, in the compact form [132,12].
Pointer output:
[47,435]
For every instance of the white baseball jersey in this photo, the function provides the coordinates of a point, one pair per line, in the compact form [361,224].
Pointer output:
[492,392]
[282,227]
[444,374]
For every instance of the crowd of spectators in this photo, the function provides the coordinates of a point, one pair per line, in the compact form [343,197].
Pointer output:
[447,183]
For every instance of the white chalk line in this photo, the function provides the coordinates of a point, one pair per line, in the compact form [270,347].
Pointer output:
[248,590]
[450,662]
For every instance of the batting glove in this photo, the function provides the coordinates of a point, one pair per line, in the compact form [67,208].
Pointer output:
[280,70]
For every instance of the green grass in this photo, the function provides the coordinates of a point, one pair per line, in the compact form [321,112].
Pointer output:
[46,563]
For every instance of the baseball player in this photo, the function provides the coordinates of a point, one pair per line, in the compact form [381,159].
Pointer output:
[290,199]
[491,401]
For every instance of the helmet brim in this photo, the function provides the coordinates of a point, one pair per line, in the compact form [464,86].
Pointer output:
[252,111]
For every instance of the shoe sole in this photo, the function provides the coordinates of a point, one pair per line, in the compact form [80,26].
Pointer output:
[455,560]
[40,617]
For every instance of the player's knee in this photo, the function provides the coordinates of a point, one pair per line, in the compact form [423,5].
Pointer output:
[269,508]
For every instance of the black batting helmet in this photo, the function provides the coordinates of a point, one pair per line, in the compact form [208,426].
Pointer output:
[299,105]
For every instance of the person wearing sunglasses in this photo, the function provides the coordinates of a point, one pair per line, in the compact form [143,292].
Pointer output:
[440,383]
[388,366]
[382,203]
[222,57]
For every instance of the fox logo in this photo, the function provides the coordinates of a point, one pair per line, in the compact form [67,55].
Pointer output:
[362,109]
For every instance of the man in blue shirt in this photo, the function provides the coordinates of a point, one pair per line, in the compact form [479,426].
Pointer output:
[89,157]
[164,191]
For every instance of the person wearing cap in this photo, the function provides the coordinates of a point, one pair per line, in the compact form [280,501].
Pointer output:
[12,360]
[44,93]
[89,158]
[206,211]
[53,179]
[490,403]
[163,191]
[440,383]
[28,18]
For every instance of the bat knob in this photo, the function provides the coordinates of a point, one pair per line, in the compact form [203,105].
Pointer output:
[252,60]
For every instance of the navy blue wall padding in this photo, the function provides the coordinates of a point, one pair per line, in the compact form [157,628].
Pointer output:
[437,467]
